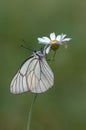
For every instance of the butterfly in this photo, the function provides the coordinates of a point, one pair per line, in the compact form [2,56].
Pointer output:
[34,75]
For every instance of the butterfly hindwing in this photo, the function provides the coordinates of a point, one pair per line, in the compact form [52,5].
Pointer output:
[35,76]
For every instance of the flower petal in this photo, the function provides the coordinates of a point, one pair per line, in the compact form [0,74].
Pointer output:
[43,40]
[40,40]
[47,49]
[52,36]
[46,39]
[58,38]
[63,36]
[66,39]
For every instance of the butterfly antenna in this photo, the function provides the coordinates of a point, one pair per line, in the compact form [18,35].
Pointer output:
[23,46]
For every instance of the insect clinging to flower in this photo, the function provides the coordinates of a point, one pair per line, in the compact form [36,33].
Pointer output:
[34,75]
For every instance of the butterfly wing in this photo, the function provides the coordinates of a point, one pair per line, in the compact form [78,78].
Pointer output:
[34,76]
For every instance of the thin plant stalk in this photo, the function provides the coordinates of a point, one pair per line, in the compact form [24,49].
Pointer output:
[30,112]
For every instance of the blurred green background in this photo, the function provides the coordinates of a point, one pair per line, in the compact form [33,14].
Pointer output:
[64,106]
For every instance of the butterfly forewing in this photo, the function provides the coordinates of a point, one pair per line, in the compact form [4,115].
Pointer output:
[35,76]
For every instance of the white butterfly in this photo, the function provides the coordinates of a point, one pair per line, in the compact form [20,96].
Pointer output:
[34,75]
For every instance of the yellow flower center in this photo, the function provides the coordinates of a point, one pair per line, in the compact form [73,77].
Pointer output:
[54,45]
[53,41]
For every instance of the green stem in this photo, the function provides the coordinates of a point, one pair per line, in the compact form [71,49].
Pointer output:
[30,112]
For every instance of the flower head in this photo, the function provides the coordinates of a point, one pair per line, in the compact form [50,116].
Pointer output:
[54,41]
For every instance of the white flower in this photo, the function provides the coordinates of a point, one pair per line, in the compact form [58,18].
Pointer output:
[54,41]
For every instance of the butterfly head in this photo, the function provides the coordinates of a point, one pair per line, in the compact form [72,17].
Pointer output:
[38,54]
